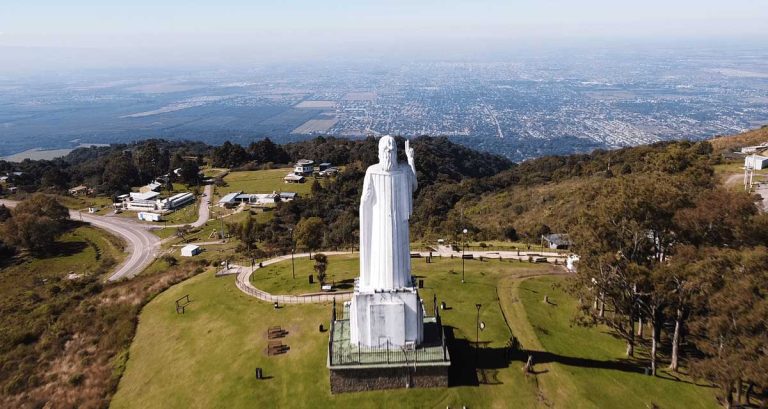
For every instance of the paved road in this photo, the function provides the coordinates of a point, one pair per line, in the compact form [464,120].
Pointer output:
[141,245]
[243,281]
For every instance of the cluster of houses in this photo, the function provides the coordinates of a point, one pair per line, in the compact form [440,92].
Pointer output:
[305,167]
[255,199]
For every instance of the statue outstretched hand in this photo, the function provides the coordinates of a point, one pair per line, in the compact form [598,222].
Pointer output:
[408,151]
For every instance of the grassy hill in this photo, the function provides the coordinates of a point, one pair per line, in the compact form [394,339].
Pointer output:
[207,356]
[731,142]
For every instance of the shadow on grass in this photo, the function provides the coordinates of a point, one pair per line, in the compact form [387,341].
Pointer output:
[344,284]
[63,249]
[473,365]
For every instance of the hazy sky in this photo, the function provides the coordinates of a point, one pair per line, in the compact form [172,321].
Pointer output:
[146,32]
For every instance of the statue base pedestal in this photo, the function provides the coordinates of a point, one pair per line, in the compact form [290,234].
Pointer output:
[355,367]
[381,318]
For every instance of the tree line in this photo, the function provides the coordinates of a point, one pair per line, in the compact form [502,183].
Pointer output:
[677,263]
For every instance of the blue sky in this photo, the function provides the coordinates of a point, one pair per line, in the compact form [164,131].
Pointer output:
[286,29]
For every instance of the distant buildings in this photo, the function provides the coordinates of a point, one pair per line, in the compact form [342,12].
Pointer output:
[306,167]
[753,149]
[556,241]
[293,178]
[81,190]
[150,201]
[255,199]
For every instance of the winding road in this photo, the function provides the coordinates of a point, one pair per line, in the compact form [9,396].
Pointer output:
[141,245]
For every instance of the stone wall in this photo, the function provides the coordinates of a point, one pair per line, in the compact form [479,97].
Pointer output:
[366,379]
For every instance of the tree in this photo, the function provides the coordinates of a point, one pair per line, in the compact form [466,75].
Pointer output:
[510,233]
[54,178]
[189,173]
[622,238]
[309,233]
[120,174]
[266,151]
[720,217]
[248,232]
[35,224]
[182,231]
[43,206]
[730,327]
[150,161]
[176,161]
[321,265]
[229,155]
[5,213]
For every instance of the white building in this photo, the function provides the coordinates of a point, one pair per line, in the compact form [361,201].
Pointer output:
[255,199]
[149,216]
[190,250]
[756,162]
[152,187]
[176,201]
[150,201]
[304,167]
[293,178]
[753,149]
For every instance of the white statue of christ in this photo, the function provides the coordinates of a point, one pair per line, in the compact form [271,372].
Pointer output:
[385,208]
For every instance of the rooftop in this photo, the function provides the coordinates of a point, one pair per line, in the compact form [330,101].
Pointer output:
[144,196]
[557,238]
[230,197]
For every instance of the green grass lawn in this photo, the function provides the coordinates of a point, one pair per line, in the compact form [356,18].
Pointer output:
[82,250]
[263,181]
[187,214]
[277,278]
[591,359]
[206,357]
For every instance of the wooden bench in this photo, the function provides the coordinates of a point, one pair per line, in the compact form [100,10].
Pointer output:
[275,332]
[276,347]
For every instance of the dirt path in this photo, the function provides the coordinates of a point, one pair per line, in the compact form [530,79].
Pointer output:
[734,179]
[552,382]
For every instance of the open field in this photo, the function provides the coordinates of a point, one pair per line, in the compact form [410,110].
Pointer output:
[315,104]
[262,181]
[315,126]
[207,356]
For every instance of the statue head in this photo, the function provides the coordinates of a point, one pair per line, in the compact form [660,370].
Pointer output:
[387,153]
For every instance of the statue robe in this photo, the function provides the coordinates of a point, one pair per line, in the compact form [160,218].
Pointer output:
[385,208]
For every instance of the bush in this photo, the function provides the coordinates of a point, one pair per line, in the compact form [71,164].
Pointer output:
[170,260]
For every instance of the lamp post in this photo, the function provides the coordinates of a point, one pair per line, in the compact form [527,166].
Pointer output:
[463,250]
[477,330]
[293,250]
